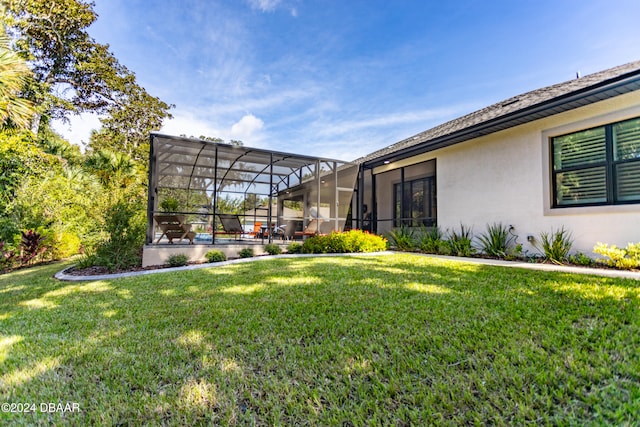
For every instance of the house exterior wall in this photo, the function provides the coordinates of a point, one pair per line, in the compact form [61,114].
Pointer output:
[505,177]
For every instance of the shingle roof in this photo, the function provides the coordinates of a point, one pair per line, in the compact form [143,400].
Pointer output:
[519,109]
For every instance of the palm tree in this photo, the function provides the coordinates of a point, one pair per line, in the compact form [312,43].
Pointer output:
[112,169]
[15,111]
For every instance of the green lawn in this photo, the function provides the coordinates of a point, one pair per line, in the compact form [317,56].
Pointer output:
[379,340]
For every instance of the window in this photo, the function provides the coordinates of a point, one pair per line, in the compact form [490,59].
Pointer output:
[599,166]
[417,207]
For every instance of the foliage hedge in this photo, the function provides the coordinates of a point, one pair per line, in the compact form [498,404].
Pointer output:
[345,242]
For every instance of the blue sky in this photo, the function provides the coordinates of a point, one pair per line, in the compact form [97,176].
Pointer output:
[342,78]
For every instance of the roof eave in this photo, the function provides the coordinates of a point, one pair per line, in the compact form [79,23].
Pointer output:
[591,94]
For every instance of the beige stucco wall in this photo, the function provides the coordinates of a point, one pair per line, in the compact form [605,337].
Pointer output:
[505,177]
[159,254]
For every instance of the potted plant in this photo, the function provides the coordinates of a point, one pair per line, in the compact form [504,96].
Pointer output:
[169,204]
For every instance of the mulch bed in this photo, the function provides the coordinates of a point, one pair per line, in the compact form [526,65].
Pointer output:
[99,271]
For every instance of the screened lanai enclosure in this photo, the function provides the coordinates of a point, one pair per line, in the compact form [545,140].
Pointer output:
[205,192]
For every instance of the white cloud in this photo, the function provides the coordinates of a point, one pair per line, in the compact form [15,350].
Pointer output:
[78,129]
[264,5]
[187,123]
[246,128]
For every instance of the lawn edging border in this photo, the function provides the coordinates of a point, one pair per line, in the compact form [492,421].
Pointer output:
[623,274]
[63,276]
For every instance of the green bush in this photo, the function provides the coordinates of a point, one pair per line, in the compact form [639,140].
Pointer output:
[495,242]
[126,228]
[460,242]
[61,244]
[246,253]
[402,238]
[178,260]
[169,204]
[624,258]
[294,248]
[432,241]
[581,259]
[272,249]
[215,255]
[87,259]
[351,241]
[556,245]
[8,257]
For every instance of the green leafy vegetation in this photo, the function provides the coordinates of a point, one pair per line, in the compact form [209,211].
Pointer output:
[432,241]
[496,240]
[52,68]
[351,241]
[556,245]
[178,260]
[379,340]
[126,227]
[402,238]
[580,258]
[246,253]
[215,255]
[624,258]
[294,248]
[460,241]
[272,249]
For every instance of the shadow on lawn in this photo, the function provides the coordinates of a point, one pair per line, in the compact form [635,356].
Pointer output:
[258,341]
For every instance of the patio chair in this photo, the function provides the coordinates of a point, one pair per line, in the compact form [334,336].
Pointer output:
[257,230]
[174,227]
[231,225]
[310,230]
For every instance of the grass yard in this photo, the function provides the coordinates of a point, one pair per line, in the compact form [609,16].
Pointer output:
[383,340]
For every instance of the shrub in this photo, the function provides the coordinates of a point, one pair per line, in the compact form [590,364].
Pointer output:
[624,258]
[7,257]
[169,204]
[495,242]
[556,245]
[272,249]
[246,253]
[215,256]
[126,228]
[432,241]
[344,242]
[177,260]
[31,246]
[87,259]
[294,248]
[515,252]
[460,242]
[314,245]
[402,238]
[61,244]
[581,259]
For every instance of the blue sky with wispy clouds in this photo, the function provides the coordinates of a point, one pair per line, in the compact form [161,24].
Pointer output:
[342,78]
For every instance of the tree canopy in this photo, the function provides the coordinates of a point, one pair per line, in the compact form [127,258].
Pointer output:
[73,73]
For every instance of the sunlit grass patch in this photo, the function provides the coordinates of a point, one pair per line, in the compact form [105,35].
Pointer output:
[384,340]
